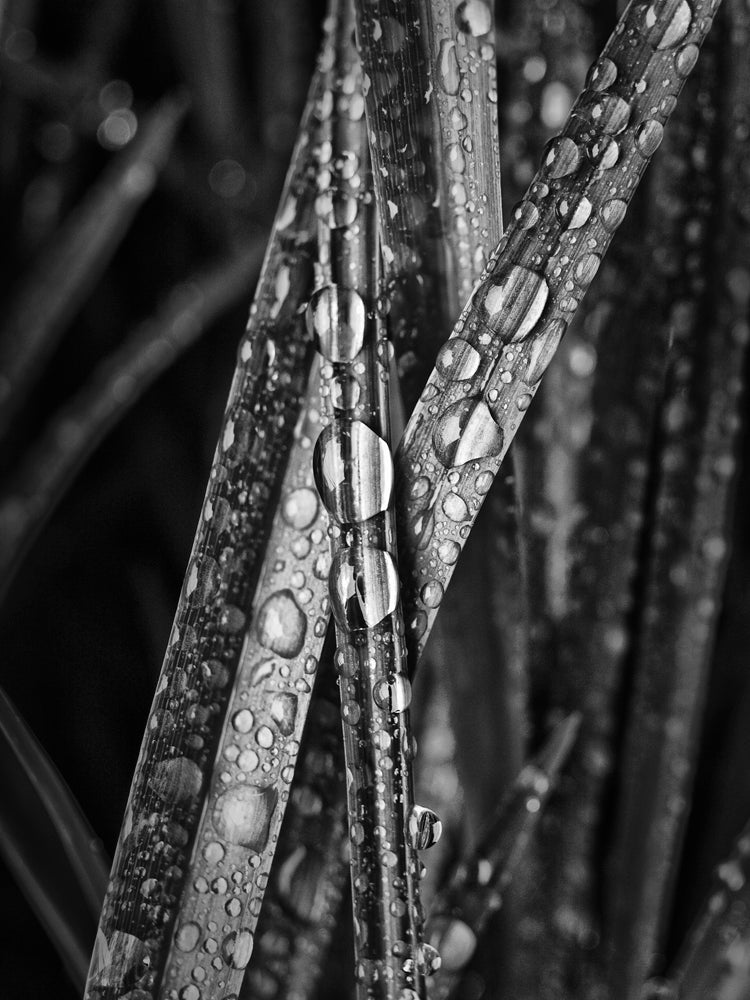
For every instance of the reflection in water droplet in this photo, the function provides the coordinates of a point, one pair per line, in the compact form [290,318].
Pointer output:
[424,828]
[353,471]
[282,624]
[573,212]
[511,301]
[561,157]
[361,597]
[448,74]
[543,350]
[648,137]
[526,215]
[336,318]
[237,948]
[607,111]
[243,816]
[457,359]
[465,431]
[662,32]
[393,696]
[299,508]
[474,17]
[432,594]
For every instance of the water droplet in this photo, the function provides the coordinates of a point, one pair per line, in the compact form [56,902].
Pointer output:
[612,213]
[299,508]
[543,349]
[424,828]
[176,781]
[607,111]
[284,712]
[448,73]
[353,471]
[660,31]
[686,59]
[190,992]
[336,317]
[585,270]
[526,215]
[648,137]
[561,157]
[573,212]
[363,595]
[474,17]
[213,852]
[345,391]
[237,948]
[264,738]
[457,359]
[243,816]
[455,508]
[455,157]
[282,624]
[420,488]
[432,594]
[393,696]
[602,74]
[466,431]
[188,936]
[448,552]
[428,960]
[511,301]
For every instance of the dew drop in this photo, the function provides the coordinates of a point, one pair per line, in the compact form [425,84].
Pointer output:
[455,508]
[393,696]
[237,948]
[466,431]
[526,215]
[607,111]
[660,31]
[604,152]
[685,59]
[299,508]
[612,213]
[648,137]
[432,593]
[284,712]
[362,596]
[282,624]
[424,828]
[573,212]
[457,360]
[585,269]
[511,301]
[602,74]
[243,816]
[448,552]
[345,391]
[336,318]
[543,350]
[448,73]
[561,157]
[474,17]
[353,471]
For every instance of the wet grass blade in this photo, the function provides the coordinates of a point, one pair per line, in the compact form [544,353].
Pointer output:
[688,547]
[76,431]
[47,844]
[71,265]
[175,775]
[487,374]
[463,909]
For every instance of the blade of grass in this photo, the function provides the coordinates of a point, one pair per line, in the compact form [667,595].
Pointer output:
[71,265]
[76,431]
[191,703]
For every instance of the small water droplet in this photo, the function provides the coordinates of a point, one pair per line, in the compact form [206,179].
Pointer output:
[585,269]
[602,74]
[393,696]
[353,471]
[345,391]
[432,593]
[474,17]
[448,552]
[336,317]
[511,301]
[237,948]
[612,213]
[299,508]
[457,359]
[685,59]
[282,624]
[648,137]
[188,936]
[448,74]
[363,595]
[466,431]
[243,815]
[561,157]
[455,508]
[659,30]
[424,828]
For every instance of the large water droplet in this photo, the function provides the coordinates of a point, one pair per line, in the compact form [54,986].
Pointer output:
[394,695]
[243,816]
[299,508]
[448,73]
[455,508]
[573,212]
[353,471]
[284,711]
[612,213]
[660,30]
[561,157]
[685,59]
[607,111]
[474,17]
[526,215]
[511,301]
[176,781]
[457,359]
[336,317]
[424,828]
[237,948]
[282,624]
[602,74]
[363,595]
[188,936]
[543,350]
[466,431]
[648,137]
